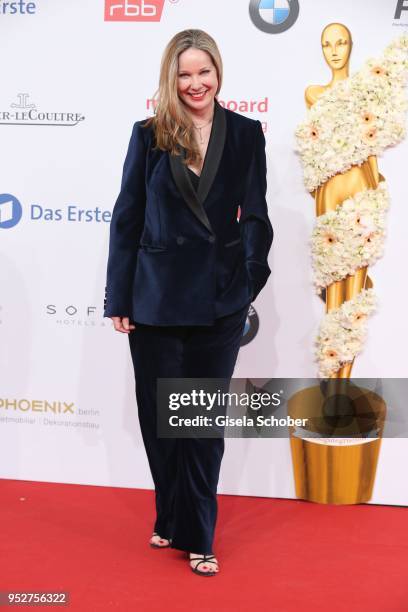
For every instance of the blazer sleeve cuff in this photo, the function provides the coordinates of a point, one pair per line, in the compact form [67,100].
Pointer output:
[258,275]
[115,307]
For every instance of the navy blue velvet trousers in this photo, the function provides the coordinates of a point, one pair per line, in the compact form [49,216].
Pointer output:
[185,471]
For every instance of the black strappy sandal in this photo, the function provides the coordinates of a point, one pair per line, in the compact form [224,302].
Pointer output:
[206,559]
[153,545]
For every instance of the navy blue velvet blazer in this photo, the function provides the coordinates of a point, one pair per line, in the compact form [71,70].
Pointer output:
[180,257]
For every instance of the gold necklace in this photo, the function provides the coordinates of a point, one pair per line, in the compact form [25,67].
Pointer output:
[200,128]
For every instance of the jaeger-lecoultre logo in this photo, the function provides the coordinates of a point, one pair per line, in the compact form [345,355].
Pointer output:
[24,112]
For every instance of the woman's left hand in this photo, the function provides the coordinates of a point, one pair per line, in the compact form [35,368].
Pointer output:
[122,324]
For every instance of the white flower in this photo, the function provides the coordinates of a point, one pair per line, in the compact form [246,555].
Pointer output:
[367,225]
[342,333]
[357,117]
[350,237]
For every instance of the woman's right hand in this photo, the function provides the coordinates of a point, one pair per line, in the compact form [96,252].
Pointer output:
[122,324]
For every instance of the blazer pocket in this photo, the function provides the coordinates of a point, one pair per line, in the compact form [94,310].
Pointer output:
[152,248]
[232,243]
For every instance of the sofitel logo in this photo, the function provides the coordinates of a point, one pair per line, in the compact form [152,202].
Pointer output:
[133,10]
[72,315]
[24,112]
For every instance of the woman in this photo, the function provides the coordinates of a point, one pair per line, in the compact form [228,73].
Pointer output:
[182,271]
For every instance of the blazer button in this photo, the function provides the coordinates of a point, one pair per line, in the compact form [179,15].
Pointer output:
[211,238]
[180,239]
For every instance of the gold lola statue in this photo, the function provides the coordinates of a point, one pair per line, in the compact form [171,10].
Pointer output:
[336,45]
[332,472]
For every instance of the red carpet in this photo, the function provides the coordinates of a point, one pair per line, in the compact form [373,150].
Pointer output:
[281,555]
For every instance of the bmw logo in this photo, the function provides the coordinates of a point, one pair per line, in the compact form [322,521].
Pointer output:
[273,16]
[10,211]
[251,326]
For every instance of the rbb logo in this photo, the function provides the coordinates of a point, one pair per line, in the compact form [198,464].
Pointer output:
[402,5]
[133,10]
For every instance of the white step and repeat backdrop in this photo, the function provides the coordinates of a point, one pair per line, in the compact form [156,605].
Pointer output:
[73,83]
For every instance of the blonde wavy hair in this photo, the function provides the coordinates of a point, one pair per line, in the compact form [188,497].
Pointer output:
[172,124]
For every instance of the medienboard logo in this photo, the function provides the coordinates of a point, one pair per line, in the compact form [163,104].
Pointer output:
[10,211]
[133,10]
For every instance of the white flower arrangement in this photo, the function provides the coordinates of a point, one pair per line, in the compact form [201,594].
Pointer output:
[357,117]
[342,333]
[350,237]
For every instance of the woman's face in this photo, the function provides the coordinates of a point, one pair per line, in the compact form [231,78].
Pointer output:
[197,79]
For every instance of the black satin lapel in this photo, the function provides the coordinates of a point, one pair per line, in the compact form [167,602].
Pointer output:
[181,178]
[212,161]
[214,152]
